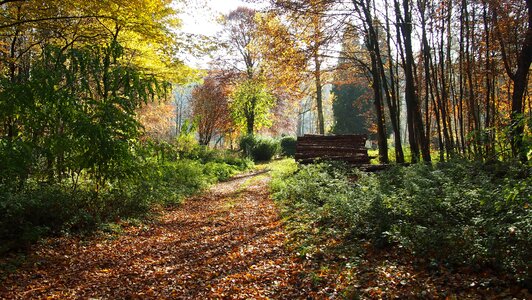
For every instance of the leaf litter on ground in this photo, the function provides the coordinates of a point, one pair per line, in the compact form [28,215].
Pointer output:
[230,243]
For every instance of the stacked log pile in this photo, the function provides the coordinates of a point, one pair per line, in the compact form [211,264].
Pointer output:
[347,148]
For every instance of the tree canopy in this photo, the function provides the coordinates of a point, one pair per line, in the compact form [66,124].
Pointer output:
[251,104]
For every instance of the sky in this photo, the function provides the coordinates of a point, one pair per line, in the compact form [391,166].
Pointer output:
[202,19]
[199,17]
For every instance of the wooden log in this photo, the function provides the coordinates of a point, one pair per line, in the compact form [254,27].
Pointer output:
[340,136]
[343,159]
[321,149]
[332,157]
[333,153]
[347,148]
[327,138]
[331,145]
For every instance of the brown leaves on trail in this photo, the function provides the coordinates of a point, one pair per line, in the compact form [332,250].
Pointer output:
[393,273]
[342,269]
[227,244]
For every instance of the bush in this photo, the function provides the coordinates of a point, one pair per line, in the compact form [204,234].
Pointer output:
[260,149]
[247,143]
[265,149]
[457,213]
[37,211]
[206,155]
[288,146]
[40,209]
[219,171]
[15,159]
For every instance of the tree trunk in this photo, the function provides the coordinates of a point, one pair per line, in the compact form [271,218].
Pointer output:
[393,105]
[250,124]
[461,80]
[381,129]
[379,78]
[520,85]
[417,137]
[319,96]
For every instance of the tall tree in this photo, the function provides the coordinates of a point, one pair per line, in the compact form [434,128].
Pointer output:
[351,108]
[519,76]
[417,137]
[251,105]
[378,79]
[240,27]
[283,67]
[316,29]
[250,101]
[210,108]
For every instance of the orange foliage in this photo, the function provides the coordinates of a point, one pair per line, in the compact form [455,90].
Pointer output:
[156,118]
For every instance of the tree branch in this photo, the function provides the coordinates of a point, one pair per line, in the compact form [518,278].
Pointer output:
[52,19]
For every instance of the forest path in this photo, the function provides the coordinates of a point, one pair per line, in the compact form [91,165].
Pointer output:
[227,243]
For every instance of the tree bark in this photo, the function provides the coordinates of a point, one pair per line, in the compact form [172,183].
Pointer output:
[417,137]
[393,105]
[520,84]
[319,96]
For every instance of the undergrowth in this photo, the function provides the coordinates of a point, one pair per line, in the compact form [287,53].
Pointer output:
[456,214]
[41,209]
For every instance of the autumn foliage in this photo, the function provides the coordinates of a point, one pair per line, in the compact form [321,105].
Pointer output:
[210,108]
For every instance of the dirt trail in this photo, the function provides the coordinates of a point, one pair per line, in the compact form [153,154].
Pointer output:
[224,244]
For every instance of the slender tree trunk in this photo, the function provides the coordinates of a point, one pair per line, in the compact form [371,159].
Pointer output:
[444,101]
[489,142]
[319,96]
[250,119]
[472,115]
[429,80]
[412,141]
[418,140]
[461,78]
[11,126]
[454,110]
[381,129]
[393,105]
[437,103]
[378,76]
[448,70]
[520,85]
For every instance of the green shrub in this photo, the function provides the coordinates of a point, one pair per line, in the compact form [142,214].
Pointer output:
[265,149]
[15,159]
[219,171]
[458,213]
[169,183]
[247,143]
[260,149]
[37,209]
[206,155]
[240,163]
[288,146]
